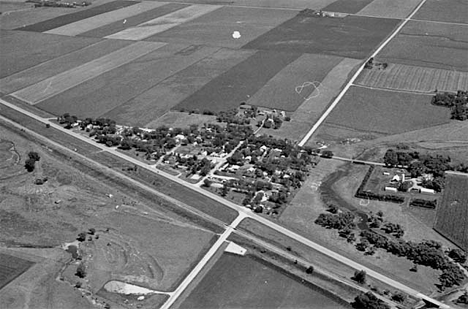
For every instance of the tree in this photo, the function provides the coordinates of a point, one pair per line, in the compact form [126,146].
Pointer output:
[207,183]
[360,276]
[463,299]
[368,301]
[327,154]
[391,158]
[310,270]
[399,297]
[30,165]
[81,271]
[81,236]
[457,255]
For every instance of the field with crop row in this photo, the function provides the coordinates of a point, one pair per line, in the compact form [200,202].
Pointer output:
[412,78]
[454,11]
[11,267]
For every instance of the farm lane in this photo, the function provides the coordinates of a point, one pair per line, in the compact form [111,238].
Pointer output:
[239,209]
[355,76]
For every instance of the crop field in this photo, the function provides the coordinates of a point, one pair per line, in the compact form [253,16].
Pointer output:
[412,78]
[239,83]
[452,215]
[216,28]
[453,11]
[346,6]
[11,267]
[296,4]
[22,18]
[132,21]
[247,282]
[435,45]
[74,17]
[18,56]
[386,111]
[351,36]
[389,9]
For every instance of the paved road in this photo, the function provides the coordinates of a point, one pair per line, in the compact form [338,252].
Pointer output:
[246,213]
[353,78]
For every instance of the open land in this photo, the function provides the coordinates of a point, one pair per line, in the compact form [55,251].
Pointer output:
[413,78]
[386,112]
[453,11]
[246,282]
[345,6]
[452,215]
[427,44]
[394,9]
[351,36]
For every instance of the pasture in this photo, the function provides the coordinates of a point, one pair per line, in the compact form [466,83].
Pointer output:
[452,215]
[412,78]
[389,9]
[11,267]
[454,11]
[386,112]
[434,45]
[248,282]
[351,36]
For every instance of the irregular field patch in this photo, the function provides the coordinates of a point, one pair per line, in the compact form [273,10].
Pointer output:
[412,78]
[147,107]
[288,89]
[248,282]
[176,119]
[389,9]
[386,111]
[18,19]
[73,17]
[454,11]
[351,36]
[231,88]
[17,54]
[216,28]
[109,90]
[452,214]
[11,267]
[133,21]
[346,6]
[426,44]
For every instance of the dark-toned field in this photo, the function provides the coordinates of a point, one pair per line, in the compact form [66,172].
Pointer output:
[351,36]
[346,6]
[247,282]
[11,267]
[73,17]
[426,44]
[454,11]
[452,215]
[386,112]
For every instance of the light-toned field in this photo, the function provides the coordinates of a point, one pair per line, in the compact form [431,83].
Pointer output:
[412,78]
[288,89]
[454,11]
[100,20]
[176,119]
[163,23]
[71,78]
[58,65]
[389,9]
[386,112]
[216,28]
[426,44]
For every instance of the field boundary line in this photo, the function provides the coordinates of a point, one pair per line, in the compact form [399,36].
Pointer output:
[395,90]
[355,76]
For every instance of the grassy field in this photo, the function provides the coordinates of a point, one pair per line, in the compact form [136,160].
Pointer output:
[216,28]
[176,119]
[236,85]
[385,9]
[428,44]
[386,112]
[247,282]
[412,78]
[11,267]
[352,36]
[16,49]
[450,11]
[76,16]
[452,215]
[281,92]
[133,21]
[158,100]
[346,6]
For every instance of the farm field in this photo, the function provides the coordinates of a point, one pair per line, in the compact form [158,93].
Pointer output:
[385,9]
[176,119]
[427,44]
[453,11]
[391,113]
[16,51]
[351,36]
[412,78]
[215,28]
[452,215]
[11,267]
[132,21]
[236,85]
[346,6]
[275,4]
[248,282]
